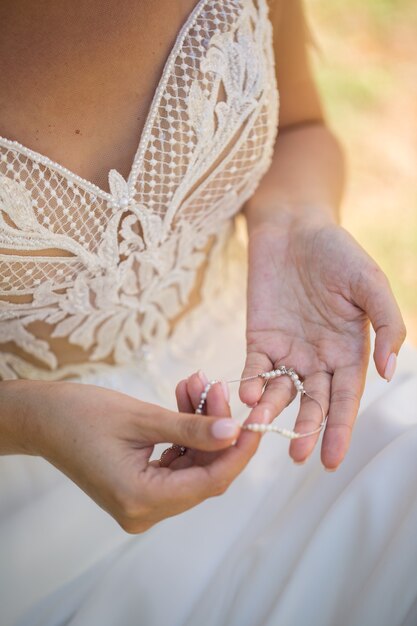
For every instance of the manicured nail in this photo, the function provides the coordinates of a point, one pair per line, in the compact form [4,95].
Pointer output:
[202,377]
[225,428]
[226,392]
[390,366]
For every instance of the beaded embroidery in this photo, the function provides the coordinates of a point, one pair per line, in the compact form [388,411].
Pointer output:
[125,262]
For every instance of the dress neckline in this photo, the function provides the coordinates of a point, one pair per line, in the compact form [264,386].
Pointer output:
[36,156]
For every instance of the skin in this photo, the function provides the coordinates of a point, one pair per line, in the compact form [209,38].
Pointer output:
[312,289]
[79,427]
[307,306]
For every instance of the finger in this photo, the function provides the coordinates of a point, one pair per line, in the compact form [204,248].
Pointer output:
[182,462]
[374,295]
[310,415]
[250,391]
[196,384]
[183,399]
[186,487]
[215,404]
[183,488]
[278,394]
[172,460]
[346,391]
[217,401]
[188,429]
[176,491]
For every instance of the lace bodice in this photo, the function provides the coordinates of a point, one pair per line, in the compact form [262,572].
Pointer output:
[111,272]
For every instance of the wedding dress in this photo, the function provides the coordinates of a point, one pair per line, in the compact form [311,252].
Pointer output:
[112,274]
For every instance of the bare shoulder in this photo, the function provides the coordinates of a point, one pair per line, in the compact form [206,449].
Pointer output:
[299,97]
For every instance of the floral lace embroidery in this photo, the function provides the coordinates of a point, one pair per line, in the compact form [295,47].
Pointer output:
[124,263]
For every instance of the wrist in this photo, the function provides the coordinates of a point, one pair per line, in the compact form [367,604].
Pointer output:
[20,431]
[286,218]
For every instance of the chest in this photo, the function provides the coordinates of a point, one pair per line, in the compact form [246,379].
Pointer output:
[77,79]
[106,273]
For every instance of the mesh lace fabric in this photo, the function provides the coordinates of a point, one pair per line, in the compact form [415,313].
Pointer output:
[107,272]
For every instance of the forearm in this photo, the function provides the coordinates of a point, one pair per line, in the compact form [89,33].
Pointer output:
[305,180]
[18,405]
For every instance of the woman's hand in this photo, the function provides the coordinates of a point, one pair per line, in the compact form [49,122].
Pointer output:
[188,394]
[311,293]
[103,440]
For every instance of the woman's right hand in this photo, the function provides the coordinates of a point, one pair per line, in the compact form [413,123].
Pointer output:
[102,440]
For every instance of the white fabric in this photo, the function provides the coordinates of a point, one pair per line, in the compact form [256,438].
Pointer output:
[285,545]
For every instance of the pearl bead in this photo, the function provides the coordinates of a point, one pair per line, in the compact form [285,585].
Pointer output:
[263,428]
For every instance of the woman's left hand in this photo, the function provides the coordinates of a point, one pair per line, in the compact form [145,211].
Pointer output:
[312,290]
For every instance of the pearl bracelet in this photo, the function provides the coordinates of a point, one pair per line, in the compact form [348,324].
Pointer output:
[263,428]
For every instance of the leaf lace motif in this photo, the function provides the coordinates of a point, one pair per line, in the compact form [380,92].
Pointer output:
[123,268]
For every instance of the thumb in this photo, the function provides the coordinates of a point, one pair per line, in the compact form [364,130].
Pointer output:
[196,431]
[250,391]
[375,297]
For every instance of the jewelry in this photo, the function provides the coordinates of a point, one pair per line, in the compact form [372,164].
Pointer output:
[263,428]
[181,450]
[257,426]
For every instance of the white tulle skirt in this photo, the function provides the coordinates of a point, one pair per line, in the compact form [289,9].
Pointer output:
[286,545]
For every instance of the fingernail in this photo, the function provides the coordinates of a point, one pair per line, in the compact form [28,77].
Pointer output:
[390,366]
[330,469]
[226,392]
[252,406]
[202,377]
[225,428]
[266,416]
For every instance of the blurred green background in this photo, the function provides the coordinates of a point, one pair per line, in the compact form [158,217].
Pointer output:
[365,60]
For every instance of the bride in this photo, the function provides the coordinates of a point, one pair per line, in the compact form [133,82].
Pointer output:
[136,139]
